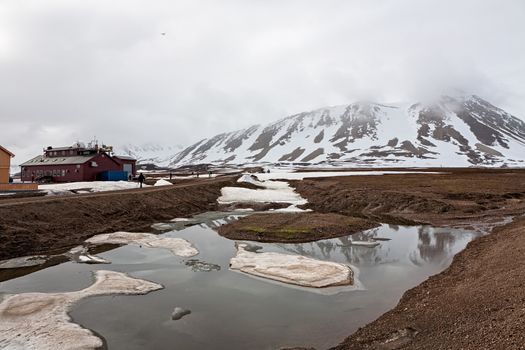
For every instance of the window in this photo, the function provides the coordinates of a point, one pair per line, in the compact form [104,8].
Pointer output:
[63,172]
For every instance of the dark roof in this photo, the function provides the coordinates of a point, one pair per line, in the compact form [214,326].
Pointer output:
[7,151]
[62,148]
[124,157]
[42,160]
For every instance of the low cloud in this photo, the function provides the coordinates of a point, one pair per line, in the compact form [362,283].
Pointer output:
[74,69]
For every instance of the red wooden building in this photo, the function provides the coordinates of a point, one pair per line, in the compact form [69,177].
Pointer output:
[76,163]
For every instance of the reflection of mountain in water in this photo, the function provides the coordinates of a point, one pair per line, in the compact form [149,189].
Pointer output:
[431,246]
[435,245]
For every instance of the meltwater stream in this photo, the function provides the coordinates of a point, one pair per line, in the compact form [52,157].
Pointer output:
[236,311]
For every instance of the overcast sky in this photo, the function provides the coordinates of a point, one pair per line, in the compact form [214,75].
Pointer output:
[76,69]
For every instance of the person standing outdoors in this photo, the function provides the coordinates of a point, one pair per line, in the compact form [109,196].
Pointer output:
[141,179]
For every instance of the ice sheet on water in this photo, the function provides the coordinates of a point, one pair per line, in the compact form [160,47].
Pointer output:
[176,246]
[41,320]
[292,269]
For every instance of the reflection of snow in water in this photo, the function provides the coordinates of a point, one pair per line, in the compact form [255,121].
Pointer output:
[416,245]
[40,320]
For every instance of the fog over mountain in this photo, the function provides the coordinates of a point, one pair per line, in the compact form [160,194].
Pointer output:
[450,131]
[73,70]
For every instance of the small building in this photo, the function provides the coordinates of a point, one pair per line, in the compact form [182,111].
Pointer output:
[5,167]
[78,163]
[5,164]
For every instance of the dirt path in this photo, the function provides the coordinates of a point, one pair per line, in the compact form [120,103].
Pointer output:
[53,224]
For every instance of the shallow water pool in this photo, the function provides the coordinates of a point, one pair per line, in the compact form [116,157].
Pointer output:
[236,311]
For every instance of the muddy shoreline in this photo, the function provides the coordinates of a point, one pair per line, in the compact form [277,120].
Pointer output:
[293,227]
[45,225]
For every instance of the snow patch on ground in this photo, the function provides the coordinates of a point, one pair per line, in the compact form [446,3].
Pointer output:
[94,186]
[180,220]
[272,192]
[277,194]
[163,182]
[41,320]
[291,209]
[177,246]
[292,269]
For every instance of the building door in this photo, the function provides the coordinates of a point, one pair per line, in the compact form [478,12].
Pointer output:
[128,168]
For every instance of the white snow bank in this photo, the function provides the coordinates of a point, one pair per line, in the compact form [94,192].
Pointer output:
[272,192]
[41,321]
[238,194]
[291,209]
[251,179]
[177,246]
[81,254]
[94,186]
[292,269]
[180,220]
[163,182]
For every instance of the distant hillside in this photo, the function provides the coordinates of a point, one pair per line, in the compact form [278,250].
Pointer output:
[149,153]
[453,131]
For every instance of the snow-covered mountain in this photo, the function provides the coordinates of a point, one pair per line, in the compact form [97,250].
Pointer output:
[454,131]
[149,153]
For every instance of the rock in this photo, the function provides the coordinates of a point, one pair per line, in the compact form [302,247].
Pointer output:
[160,226]
[197,265]
[253,248]
[292,269]
[179,313]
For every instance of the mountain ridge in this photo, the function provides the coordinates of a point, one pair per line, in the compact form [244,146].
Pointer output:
[452,131]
